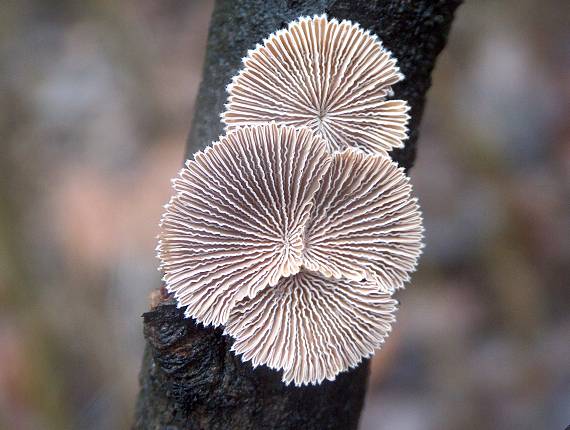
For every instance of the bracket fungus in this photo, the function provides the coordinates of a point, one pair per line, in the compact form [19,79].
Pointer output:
[311,327]
[295,249]
[236,222]
[294,230]
[330,76]
[365,223]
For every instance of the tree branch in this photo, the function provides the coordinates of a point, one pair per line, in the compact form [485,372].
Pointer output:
[189,378]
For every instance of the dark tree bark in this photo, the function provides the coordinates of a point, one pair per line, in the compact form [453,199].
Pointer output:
[189,378]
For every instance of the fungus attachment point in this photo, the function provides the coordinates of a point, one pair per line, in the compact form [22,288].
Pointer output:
[364,223]
[236,221]
[330,76]
[311,327]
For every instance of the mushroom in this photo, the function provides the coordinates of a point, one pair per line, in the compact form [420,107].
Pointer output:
[361,242]
[330,76]
[236,222]
[294,249]
[364,223]
[311,327]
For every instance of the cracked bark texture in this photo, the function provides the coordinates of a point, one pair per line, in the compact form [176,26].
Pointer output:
[189,378]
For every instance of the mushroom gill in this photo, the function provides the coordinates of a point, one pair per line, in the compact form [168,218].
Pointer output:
[235,223]
[330,76]
[311,327]
[364,222]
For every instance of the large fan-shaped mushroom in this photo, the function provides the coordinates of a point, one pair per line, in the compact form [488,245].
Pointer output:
[364,223]
[235,224]
[330,76]
[311,327]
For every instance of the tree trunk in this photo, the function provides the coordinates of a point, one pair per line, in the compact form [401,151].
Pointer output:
[189,378]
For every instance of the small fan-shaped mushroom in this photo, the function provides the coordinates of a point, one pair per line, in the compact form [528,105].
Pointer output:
[364,223]
[236,222]
[311,327]
[331,77]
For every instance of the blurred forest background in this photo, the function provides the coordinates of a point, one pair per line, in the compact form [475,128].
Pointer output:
[97,99]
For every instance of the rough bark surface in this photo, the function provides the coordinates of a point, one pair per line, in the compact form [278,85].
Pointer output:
[189,379]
